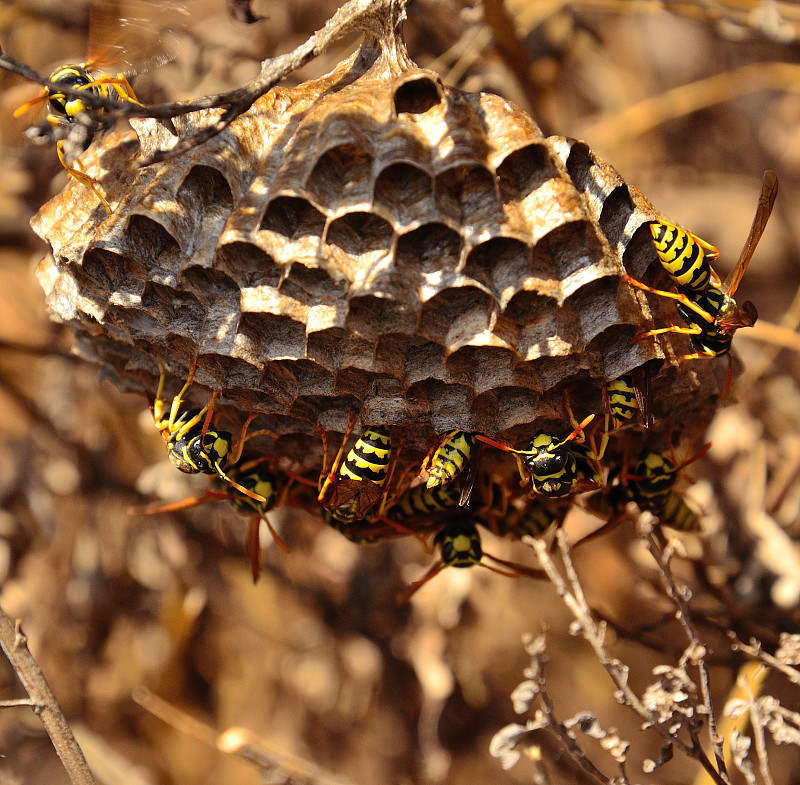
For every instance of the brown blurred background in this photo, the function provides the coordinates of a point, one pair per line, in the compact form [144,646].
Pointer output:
[690,102]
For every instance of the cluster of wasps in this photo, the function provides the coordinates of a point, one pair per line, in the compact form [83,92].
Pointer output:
[355,494]
[449,498]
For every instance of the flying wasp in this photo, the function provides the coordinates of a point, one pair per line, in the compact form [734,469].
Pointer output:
[131,39]
[705,304]
[192,445]
[254,476]
[454,456]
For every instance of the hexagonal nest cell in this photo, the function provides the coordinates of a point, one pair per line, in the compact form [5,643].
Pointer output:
[374,241]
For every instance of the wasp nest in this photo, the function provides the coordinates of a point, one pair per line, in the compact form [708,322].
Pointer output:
[375,241]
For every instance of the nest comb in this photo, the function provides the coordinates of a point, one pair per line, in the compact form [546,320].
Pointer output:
[376,241]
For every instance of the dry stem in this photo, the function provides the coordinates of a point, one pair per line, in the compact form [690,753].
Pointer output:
[594,634]
[42,700]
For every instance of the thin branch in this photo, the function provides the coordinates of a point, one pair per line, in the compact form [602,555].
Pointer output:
[567,739]
[240,743]
[350,17]
[595,635]
[663,558]
[44,703]
[757,727]
[754,650]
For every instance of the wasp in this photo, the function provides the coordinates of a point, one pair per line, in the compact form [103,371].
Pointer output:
[652,488]
[255,477]
[460,546]
[192,445]
[352,488]
[133,42]
[550,464]
[705,304]
[454,456]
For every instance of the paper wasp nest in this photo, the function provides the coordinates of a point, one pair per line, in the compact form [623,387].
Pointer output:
[374,241]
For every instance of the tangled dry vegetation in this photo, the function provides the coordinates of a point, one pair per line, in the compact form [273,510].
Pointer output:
[641,658]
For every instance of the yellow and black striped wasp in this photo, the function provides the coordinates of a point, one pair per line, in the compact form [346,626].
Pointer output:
[651,487]
[454,456]
[192,445]
[131,36]
[706,304]
[459,544]
[553,466]
[623,398]
[254,476]
[352,489]
[537,516]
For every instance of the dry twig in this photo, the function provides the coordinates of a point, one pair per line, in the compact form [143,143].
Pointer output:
[42,701]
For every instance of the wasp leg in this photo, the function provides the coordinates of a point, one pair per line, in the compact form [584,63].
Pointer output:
[606,427]
[663,330]
[81,177]
[158,403]
[120,84]
[40,98]
[331,476]
[209,410]
[178,399]
[681,298]
[182,504]
[404,596]
[236,451]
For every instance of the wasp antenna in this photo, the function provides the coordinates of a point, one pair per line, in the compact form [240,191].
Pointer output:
[580,426]
[493,443]
[246,491]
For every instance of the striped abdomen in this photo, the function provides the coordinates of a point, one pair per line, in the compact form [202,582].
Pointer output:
[369,458]
[683,255]
[450,458]
[622,401]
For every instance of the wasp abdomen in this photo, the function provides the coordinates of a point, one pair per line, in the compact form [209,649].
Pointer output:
[369,458]
[682,255]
